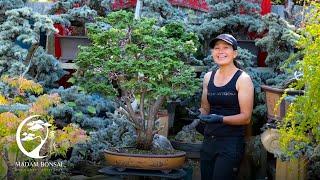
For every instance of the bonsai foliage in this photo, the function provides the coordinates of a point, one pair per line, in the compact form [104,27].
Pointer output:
[8,5]
[279,41]
[72,10]
[299,133]
[162,10]
[137,59]
[238,19]
[24,26]
[21,98]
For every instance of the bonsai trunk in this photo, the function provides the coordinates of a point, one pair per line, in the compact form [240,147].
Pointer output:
[145,134]
[144,140]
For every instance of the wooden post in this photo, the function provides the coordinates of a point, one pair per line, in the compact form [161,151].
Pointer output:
[295,169]
[50,44]
[163,123]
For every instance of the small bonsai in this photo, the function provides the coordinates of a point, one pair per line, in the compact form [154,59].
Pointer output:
[135,59]
[32,61]
[73,14]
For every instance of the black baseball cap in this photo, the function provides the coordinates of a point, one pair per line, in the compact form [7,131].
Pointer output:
[226,38]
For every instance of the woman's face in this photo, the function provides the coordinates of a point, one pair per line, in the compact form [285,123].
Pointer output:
[223,53]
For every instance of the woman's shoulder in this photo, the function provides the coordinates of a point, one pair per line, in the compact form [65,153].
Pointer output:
[208,74]
[244,79]
[244,75]
[206,77]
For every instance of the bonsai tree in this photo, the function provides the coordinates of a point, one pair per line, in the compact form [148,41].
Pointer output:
[135,59]
[8,5]
[241,19]
[73,14]
[27,58]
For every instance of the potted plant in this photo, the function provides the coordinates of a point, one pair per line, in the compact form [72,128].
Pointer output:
[136,59]
[299,131]
[189,140]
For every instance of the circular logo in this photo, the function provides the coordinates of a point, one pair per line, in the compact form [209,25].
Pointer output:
[32,134]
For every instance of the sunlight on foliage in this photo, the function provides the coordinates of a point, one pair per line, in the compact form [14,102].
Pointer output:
[23,85]
[300,131]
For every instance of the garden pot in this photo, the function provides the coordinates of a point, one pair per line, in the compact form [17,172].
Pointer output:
[273,96]
[295,169]
[69,46]
[164,163]
[192,149]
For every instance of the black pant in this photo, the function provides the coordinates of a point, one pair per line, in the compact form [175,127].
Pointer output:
[220,157]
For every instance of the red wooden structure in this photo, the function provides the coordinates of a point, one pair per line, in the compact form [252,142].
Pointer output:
[200,5]
[123,4]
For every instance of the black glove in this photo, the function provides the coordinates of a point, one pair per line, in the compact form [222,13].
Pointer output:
[200,127]
[211,118]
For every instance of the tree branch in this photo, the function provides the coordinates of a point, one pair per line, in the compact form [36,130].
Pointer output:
[30,54]
[152,113]
[130,109]
[142,106]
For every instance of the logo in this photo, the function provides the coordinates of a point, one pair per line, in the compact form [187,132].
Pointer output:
[34,133]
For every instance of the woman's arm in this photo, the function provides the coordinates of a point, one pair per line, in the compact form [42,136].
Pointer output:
[245,96]
[205,106]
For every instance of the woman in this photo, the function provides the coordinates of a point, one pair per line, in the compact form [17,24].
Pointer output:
[226,106]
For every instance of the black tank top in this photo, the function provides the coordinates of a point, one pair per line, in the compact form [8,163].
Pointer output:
[224,101]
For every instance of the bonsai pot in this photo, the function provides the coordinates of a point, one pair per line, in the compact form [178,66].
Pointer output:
[273,95]
[164,163]
[192,149]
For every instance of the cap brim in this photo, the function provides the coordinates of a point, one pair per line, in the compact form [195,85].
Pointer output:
[213,42]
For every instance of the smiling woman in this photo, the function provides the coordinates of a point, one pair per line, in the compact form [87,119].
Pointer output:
[226,106]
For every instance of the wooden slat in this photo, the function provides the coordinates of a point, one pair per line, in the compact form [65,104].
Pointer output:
[199,68]
[68,65]
[291,170]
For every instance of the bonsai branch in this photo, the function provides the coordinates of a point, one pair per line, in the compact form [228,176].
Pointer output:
[30,54]
[130,110]
[152,113]
[142,106]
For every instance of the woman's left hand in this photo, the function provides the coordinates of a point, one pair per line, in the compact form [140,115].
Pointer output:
[211,118]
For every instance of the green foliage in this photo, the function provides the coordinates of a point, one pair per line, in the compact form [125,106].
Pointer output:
[8,5]
[138,59]
[64,11]
[143,57]
[300,131]
[225,17]
[279,41]
[163,11]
